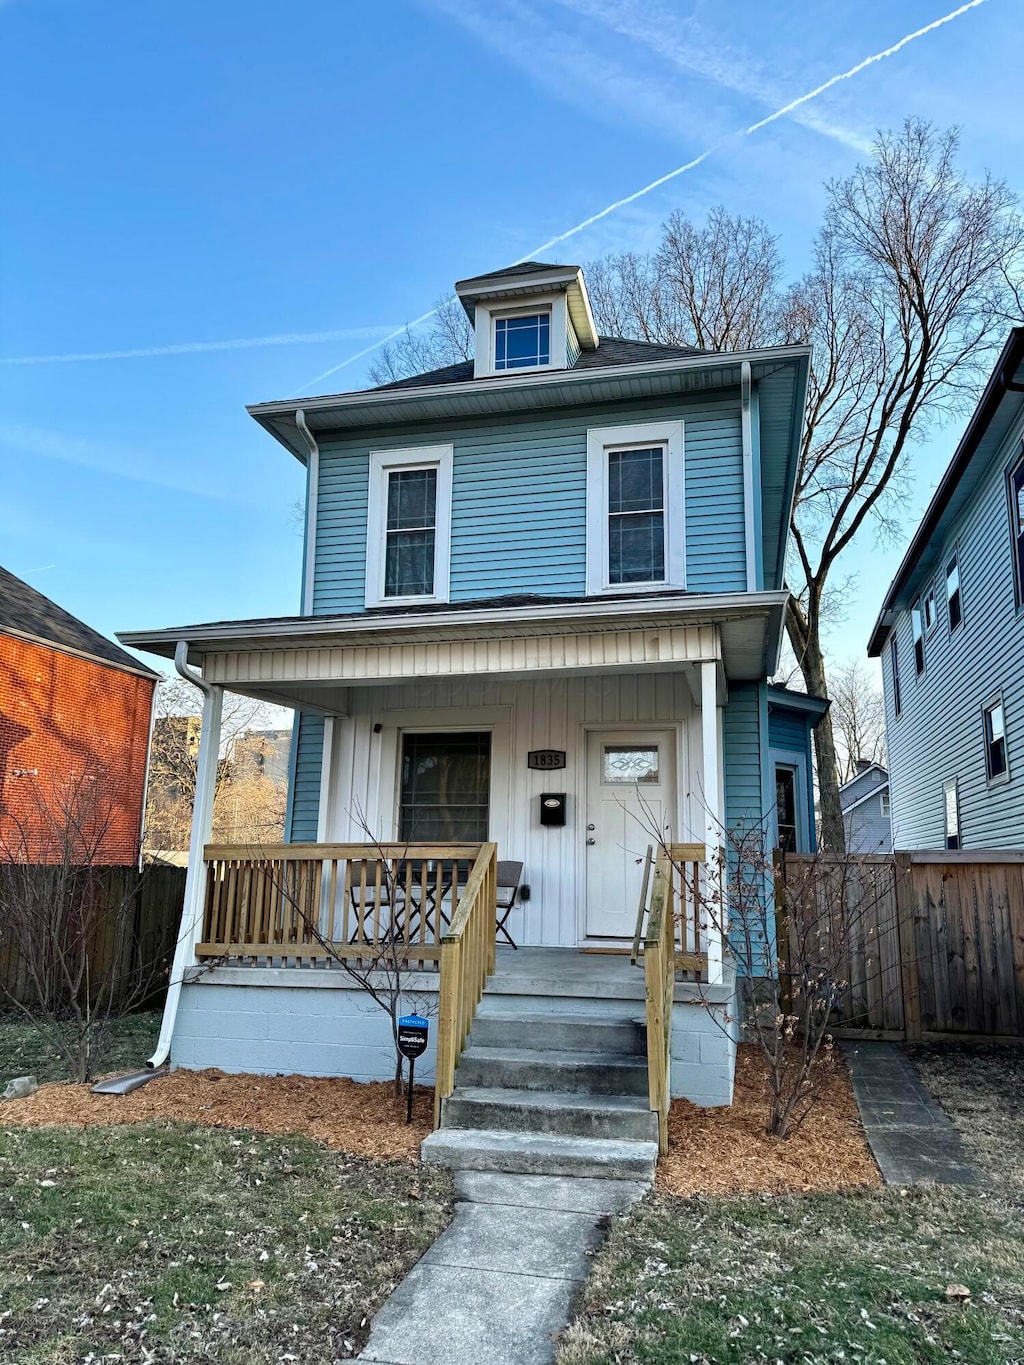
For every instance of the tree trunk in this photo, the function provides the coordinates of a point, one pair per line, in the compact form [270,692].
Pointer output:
[804,638]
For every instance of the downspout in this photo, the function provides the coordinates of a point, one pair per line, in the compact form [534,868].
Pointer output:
[191,914]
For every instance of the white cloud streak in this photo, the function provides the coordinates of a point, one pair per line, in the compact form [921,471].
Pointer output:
[197,347]
[674,174]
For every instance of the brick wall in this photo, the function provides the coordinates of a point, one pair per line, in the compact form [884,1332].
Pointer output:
[73,745]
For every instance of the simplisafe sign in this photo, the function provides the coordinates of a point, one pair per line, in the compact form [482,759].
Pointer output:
[412,1035]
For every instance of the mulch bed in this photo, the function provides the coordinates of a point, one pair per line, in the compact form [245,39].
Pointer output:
[362,1119]
[728,1151]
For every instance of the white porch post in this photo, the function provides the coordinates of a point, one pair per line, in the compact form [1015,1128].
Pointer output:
[195,877]
[713,816]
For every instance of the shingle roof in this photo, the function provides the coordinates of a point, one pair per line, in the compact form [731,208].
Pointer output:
[611,351]
[523,268]
[24,611]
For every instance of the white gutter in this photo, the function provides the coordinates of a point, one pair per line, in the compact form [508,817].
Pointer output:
[312,500]
[195,877]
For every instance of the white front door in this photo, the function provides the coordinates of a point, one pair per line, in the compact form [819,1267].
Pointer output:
[631,786]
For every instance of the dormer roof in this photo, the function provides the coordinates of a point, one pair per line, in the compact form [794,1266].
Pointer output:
[527,280]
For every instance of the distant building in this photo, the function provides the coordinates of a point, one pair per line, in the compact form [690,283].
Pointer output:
[75,713]
[263,753]
[866,812]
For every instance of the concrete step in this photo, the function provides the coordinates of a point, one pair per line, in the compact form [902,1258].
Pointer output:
[554,1032]
[626,1117]
[476,1149]
[523,1068]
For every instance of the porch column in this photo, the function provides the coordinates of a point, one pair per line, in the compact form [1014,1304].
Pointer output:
[710,716]
[195,878]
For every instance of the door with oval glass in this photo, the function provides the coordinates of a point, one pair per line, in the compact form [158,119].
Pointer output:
[631,790]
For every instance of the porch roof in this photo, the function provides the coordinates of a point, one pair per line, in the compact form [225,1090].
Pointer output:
[308,660]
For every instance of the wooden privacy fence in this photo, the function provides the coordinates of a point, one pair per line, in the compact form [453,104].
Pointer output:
[932,941]
[126,923]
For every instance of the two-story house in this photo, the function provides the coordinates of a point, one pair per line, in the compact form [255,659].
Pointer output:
[867,818]
[543,591]
[950,635]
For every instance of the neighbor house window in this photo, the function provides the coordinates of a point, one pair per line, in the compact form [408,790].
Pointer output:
[916,621]
[445,788]
[928,609]
[885,805]
[996,764]
[894,663]
[635,507]
[951,806]
[408,526]
[1016,491]
[522,343]
[954,601]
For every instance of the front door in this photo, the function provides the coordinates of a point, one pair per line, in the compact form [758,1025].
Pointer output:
[631,784]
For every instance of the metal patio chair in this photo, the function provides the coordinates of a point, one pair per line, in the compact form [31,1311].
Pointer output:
[509,875]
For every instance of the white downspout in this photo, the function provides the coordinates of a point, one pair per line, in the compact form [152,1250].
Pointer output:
[202,822]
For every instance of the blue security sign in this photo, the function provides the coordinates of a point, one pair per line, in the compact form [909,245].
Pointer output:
[412,1035]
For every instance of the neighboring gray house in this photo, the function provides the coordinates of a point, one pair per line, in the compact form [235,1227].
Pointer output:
[866,813]
[951,639]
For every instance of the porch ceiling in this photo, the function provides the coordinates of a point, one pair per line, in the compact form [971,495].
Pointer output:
[309,661]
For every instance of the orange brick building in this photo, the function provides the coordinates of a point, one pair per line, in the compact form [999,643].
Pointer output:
[75,714]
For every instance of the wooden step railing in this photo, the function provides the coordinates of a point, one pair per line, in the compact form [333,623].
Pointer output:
[671,943]
[324,903]
[467,959]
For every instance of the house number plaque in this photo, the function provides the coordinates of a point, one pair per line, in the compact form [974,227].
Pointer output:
[546,759]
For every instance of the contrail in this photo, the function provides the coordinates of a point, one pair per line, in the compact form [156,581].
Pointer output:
[193,347]
[679,170]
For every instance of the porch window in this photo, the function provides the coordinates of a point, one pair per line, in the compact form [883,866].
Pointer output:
[785,808]
[408,526]
[445,793]
[635,508]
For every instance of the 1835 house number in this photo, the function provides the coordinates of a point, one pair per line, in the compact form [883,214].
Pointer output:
[547,759]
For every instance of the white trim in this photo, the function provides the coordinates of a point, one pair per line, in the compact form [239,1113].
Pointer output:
[872,767]
[710,729]
[875,791]
[747,435]
[601,440]
[383,463]
[485,316]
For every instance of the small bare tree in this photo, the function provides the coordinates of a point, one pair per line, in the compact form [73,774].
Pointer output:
[858,718]
[70,925]
[446,341]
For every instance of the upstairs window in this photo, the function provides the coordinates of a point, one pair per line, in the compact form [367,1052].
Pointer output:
[522,343]
[916,621]
[1016,491]
[635,507]
[408,527]
[954,600]
[894,664]
[929,612]
[951,807]
[996,764]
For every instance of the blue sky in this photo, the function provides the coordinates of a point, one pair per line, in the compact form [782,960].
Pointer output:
[181,178]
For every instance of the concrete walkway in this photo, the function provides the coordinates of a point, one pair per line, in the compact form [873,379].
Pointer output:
[910,1136]
[497,1286]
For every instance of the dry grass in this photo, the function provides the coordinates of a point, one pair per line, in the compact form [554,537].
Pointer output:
[981,1088]
[361,1119]
[728,1151]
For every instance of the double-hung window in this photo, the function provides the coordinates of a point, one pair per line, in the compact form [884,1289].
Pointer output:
[930,614]
[917,623]
[635,533]
[1016,492]
[954,598]
[408,527]
[894,664]
[997,767]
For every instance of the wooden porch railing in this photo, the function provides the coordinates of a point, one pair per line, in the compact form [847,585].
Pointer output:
[467,959]
[672,943]
[318,903]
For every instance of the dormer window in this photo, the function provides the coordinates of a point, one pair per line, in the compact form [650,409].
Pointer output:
[522,341]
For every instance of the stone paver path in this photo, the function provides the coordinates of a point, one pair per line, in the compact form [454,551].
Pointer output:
[912,1139]
[497,1286]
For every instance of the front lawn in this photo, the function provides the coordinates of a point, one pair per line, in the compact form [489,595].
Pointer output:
[177,1243]
[858,1278]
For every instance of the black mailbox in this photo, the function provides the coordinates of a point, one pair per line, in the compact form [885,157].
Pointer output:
[552,808]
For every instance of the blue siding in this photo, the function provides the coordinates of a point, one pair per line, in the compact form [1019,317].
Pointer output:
[304,808]
[791,730]
[519,500]
[742,745]
[868,830]
[939,734]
